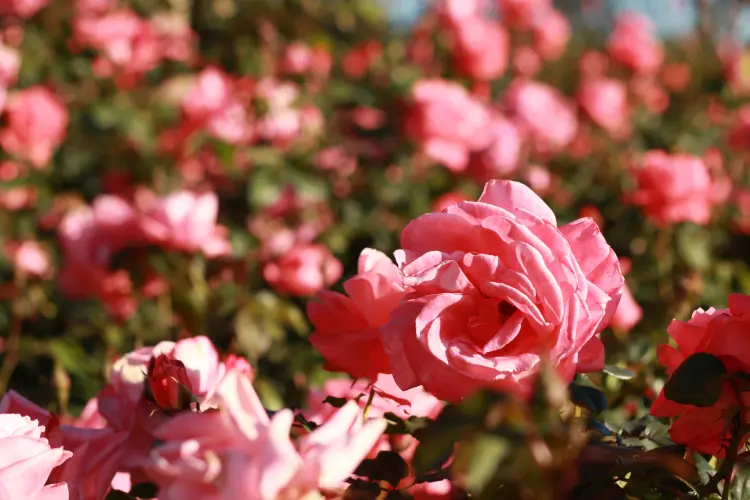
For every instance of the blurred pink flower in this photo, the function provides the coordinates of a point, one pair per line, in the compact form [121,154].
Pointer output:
[628,312]
[36,124]
[89,237]
[481,48]
[503,154]
[347,326]
[128,43]
[738,134]
[543,113]
[634,44]
[522,13]
[212,103]
[673,188]
[22,8]
[526,62]
[26,460]
[186,222]
[336,159]
[551,31]
[447,122]
[281,121]
[593,64]
[10,63]
[605,100]
[303,271]
[296,59]
[30,258]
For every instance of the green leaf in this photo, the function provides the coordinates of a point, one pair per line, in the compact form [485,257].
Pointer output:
[483,458]
[386,466]
[588,397]
[697,381]
[144,490]
[618,372]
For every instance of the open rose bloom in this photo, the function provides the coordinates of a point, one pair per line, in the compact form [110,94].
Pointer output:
[497,286]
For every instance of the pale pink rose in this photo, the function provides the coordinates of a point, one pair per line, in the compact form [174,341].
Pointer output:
[10,63]
[605,100]
[22,8]
[30,258]
[543,113]
[346,326]
[94,453]
[634,44]
[35,126]
[122,403]
[304,270]
[239,452]
[481,48]
[186,222]
[447,123]
[673,188]
[503,154]
[551,32]
[497,286]
[457,11]
[26,461]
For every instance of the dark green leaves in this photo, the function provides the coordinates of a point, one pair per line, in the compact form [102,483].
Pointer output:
[588,397]
[697,381]
[618,372]
[386,466]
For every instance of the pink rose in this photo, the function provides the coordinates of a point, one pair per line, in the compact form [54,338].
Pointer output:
[94,453]
[447,123]
[481,50]
[605,100]
[30,258]
[721,333]
[497,286]
[551,31]
[543,113]
[634,44]
[304,270]
[36,124]
[254,453]
[673,188]
[346,326]
[22,8]
[503,154]
[186,222]
[26,460]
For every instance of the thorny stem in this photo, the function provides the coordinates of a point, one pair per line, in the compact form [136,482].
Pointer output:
[369,403]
